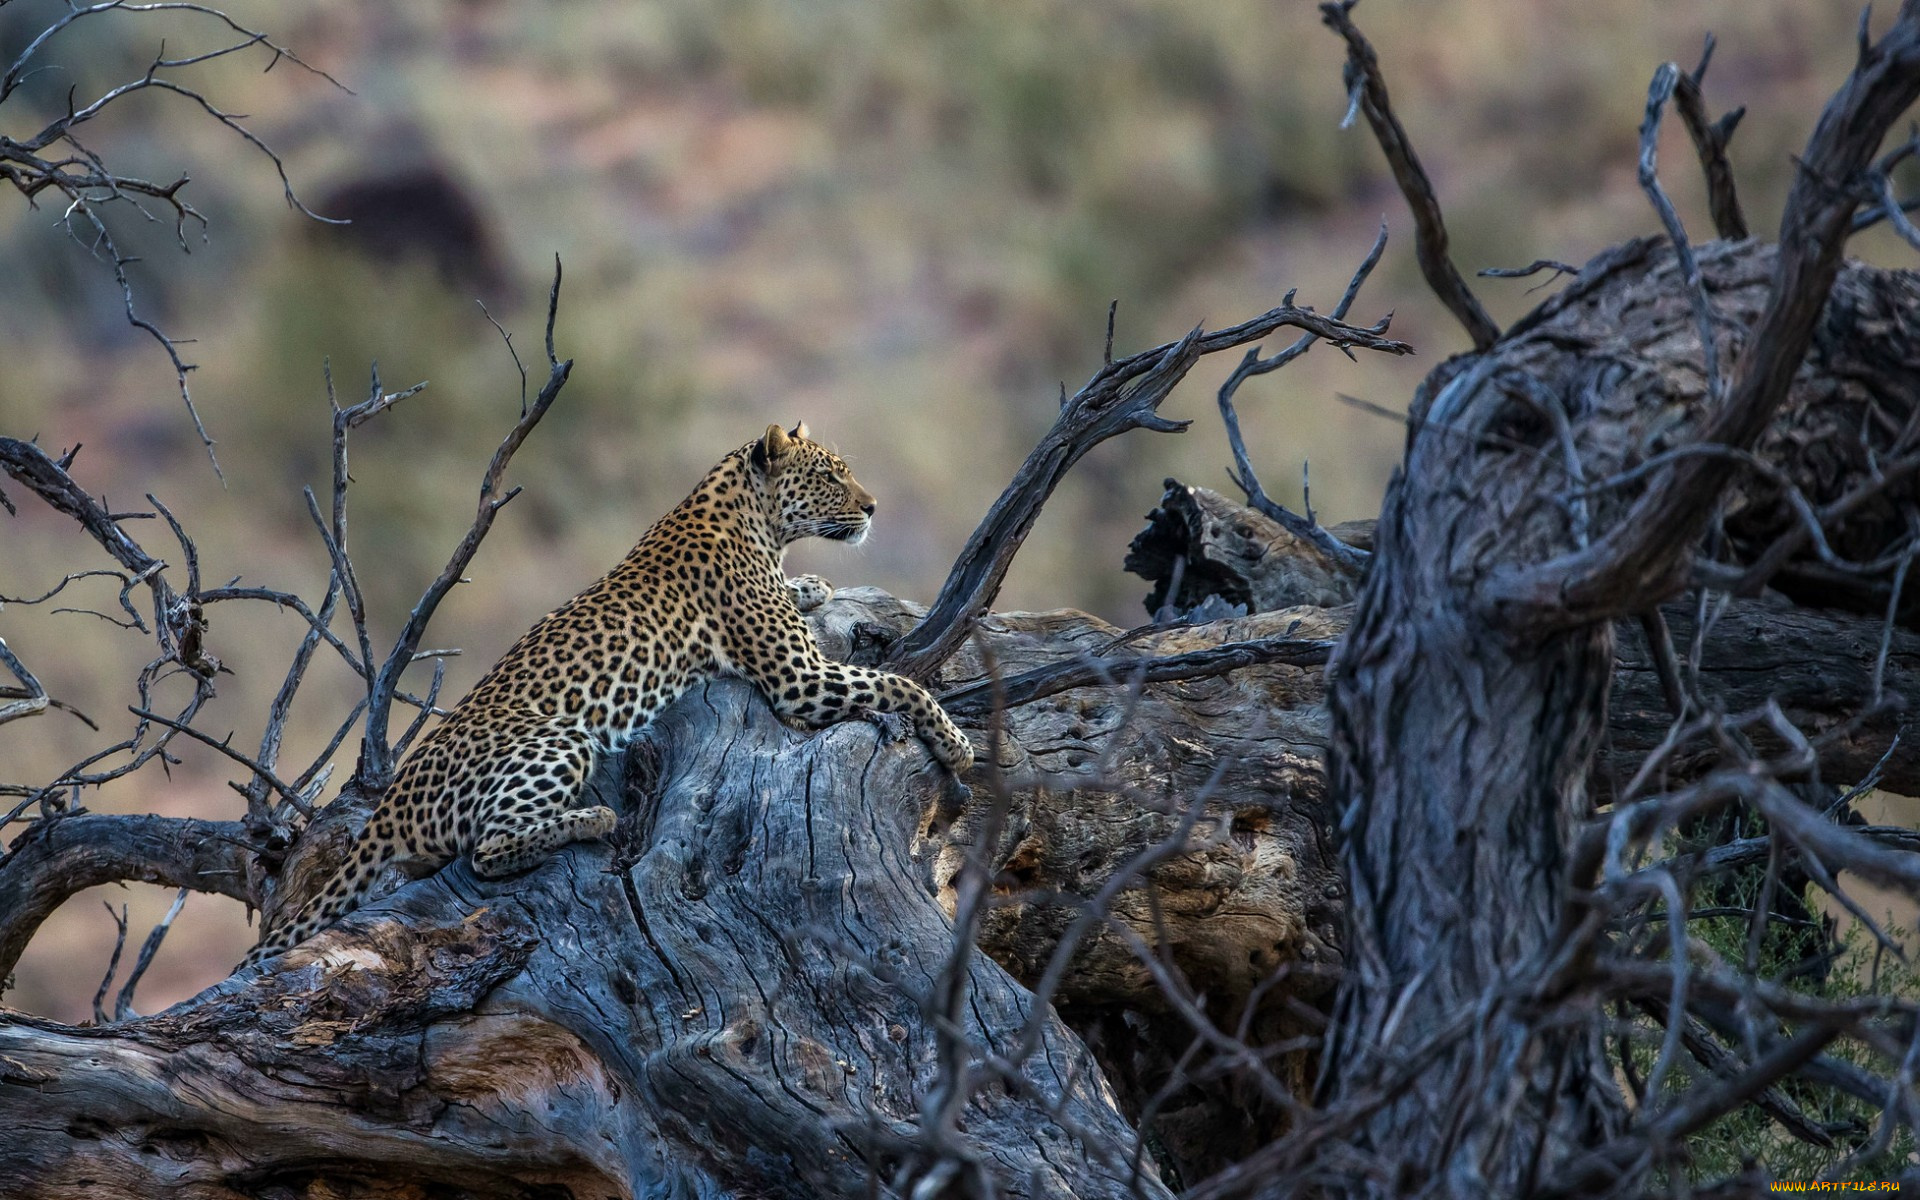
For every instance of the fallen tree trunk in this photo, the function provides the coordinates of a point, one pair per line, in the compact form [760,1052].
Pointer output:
[735,1004]
[767,985]
[751,972]
[743,994]
[1816,663]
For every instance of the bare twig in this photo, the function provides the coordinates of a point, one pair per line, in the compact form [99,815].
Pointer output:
[1843,848]
[33,469]
[308,780]
[34,164]
[1368,87]
[100,1015]
[1880,184]
[1658,93]
[30,699]
[224,746]
[517,364]
[378,757]
[317,625]
[123,1003]
[1121,396]
[1710,143]
[1644,557]
[426,710]
[1556,267]
[1243,474]
[277,713]
[1695,1111]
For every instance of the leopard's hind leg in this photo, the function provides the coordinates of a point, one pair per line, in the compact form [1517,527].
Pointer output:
[529,810]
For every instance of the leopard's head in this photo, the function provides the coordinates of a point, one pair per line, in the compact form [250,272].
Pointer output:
[813,492]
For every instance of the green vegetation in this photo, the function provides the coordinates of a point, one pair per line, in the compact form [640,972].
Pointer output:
[1823,966]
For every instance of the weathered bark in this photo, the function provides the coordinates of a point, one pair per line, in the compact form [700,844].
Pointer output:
[1099,775]
[737,1012]
[1817,664]
[1100,779]
[1470,694]
[1475,784]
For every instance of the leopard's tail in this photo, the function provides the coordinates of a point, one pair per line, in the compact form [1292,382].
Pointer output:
[340,895]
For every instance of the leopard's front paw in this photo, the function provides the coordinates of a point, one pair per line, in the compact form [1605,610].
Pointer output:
[946,743]
[809,592]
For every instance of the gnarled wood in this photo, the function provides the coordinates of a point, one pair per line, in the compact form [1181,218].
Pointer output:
[1198,544]
[1469,699]
[1817,664]
[738,1012]
[56,858]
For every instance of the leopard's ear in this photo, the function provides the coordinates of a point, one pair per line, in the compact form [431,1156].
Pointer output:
[798,432]
[771,447]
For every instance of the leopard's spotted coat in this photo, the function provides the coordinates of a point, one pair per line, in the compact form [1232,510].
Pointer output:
[702,594]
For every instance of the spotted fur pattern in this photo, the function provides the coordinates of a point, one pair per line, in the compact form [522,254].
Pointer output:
[702,594]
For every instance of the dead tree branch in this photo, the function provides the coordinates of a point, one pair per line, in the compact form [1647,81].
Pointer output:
[1305,528]
[1121,396]
[1805,660]
[60,856]
[1041,682]
[52,158]
[29,699]
[178,623]
[1710,140]
[377,761]
[1644,557]
[1368,88]
[30,466]
[1888,207]
[123,1002]
[1658,94]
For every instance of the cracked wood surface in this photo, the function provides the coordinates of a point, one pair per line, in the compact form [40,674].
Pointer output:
[684,1023]
[734,1013]
[1816,663]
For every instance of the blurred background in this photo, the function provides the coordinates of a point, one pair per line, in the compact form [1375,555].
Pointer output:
[900,222]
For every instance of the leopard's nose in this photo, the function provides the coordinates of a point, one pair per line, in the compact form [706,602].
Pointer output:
[867,508]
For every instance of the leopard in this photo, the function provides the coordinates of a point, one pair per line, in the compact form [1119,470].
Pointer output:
[703,594]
